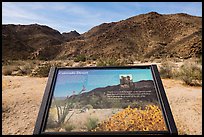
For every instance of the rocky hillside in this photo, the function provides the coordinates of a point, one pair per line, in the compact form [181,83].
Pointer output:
[150,35]
[32,41]
[143,36]
[70,35]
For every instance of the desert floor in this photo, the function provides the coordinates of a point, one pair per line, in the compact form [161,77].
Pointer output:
[22,96]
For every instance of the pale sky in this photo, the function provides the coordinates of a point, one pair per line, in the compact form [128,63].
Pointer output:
[82,16]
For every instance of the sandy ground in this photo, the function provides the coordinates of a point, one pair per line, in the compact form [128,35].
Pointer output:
[186,106]
[22,96]
[21,99]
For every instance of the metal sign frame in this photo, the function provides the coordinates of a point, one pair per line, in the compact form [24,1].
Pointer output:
[47,98]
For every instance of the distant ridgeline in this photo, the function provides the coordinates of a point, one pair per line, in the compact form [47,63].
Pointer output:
[143,36]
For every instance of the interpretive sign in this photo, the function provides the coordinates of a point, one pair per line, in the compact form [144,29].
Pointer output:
[105,100]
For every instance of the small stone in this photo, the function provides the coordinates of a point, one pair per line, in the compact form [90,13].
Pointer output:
[17,131]
[13,124]
[16,116]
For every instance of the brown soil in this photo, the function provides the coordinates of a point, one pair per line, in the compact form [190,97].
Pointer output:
[22,96]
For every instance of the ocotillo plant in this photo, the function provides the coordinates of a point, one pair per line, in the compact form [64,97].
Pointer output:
[64,109]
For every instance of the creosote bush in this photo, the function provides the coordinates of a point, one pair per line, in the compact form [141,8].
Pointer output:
[110,62]
[166,69]
[80,58]
[191,74]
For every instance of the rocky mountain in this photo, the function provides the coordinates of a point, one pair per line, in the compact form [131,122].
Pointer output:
[143,36]
[70,35]
[150,35]
[32,41]
[28,41]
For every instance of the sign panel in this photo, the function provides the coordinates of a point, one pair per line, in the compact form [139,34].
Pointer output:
[105,100]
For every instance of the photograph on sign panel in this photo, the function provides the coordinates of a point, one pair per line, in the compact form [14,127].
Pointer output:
[103,100]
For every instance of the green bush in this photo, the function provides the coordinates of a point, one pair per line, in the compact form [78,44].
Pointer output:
[80,58]
[91,123]
[94,57]
[191,74]
[110,62]
[69,127]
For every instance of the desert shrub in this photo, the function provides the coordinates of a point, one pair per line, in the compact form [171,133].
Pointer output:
[191,73]
[94,57]
[110,62]
[7,71]
[26,69]
[166,69]
[91,123]
[80,58]
[42,70]
[69,127]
